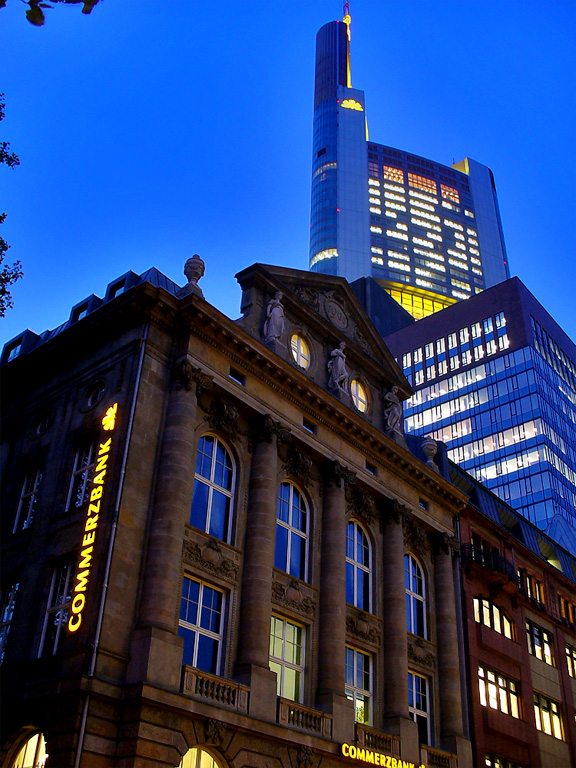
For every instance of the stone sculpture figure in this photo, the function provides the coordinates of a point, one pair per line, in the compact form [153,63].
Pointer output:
[274,324]
[337,368]
[392,412]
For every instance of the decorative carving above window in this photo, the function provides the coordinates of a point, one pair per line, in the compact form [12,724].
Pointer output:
[210,557]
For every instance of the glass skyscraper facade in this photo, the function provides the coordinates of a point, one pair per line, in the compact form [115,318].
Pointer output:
[429,233]
[495,379]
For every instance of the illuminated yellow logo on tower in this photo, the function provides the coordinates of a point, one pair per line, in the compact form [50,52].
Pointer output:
[352,104]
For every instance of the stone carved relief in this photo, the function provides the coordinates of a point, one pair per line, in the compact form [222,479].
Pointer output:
[308,296]
[268,427]
[361,505]
[298,465]
[444,542]
[335,310]
[337,371]
[304,756]
[214,731]
[223,416]
[336,474]
[359,626]
[360,339]
[185,375]
[415,536]
[397,513]
[419,653]
[210,557]
[291,596]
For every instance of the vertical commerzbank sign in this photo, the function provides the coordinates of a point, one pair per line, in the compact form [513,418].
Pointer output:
[84,569]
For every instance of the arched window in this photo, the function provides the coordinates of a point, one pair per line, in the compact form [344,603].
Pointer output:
[358,567]
[415,596]
[32,754]
[291,532]
[198,758]
[213,482]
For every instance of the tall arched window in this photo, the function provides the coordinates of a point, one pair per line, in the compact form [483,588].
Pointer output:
[198,758]
[415,596]
[213,482]
[292,532]
[358,567]
[32,753]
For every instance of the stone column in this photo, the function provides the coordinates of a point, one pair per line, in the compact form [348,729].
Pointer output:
[157,649]
[396,719]
[450,693]
[252,665]
[332,604]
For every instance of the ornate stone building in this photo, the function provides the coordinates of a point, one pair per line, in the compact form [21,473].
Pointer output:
[218,548]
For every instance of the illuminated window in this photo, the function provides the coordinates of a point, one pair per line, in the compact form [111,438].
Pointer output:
[430,372]
[429,350]
[359,683]
[458,236]
[449,193]
[491,761]
[376,230]
[287,658]
[373,182]
[539,643]
[421,182]
[28,500]
[391,214]
[469,213]
[84,464]
[406,360]
[491,347]
[500,320]
[571,660]
[417,204]
[211,509]
[415,596]
[440,346]
[419,705]
[420,196]
[8,604]
[475,251]
[395,206]
[395,188]
[329,253]
[359,395]
[398,265]
[547,714]
[374,191]
[418,355]
[393,196]
[498,692]
[453,225]
[373,209]
[299,349]
[57,609]
[488,613]
[452,341]
[428,217]
[419,377]
[397,235]
[434,236]
[377,249]
[198,758]
[374,200]
[503,342]
[459,284]
[32,754]
[393,174]
[200,625]
[358,567]
[377,260]
[291,531]
[397,255]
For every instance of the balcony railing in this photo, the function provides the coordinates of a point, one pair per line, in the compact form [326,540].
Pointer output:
[304,718]
[436,758]
[215,690]
[490,560]
[377,741]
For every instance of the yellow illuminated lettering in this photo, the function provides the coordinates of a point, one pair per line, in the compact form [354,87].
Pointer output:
[352,751]
[94,509]
[377,758]
[352,104]
[87,555]
[105,447]
[91,523]
[88,538]
[345,750]
[74,623]
[388,758]
[82,579]
[95,494]
[360,753]
[101,464]
[99,479]
[78,603]
[109,420]
[369,757]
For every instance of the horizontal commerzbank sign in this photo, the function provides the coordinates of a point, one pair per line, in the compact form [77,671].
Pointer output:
[84,569]
[376,758]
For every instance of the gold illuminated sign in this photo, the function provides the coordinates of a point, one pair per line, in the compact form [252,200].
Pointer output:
[352,104]
[376,758]
[82,577]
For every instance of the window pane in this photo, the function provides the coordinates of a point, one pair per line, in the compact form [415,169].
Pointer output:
[219,514]
[199,511]
[296,558]
[281,548]
[189,644]
[204,456]
[207,653]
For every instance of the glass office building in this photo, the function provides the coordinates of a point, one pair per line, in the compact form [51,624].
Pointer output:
[495,379]
[429,233]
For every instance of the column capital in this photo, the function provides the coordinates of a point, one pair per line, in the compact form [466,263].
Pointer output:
[445,543]
[396,512]
[266,428]
[185,375]
[337,474]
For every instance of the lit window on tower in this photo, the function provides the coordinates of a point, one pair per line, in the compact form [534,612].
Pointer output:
[449,193]
[393,174]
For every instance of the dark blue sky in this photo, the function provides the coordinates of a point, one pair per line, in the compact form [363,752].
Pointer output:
[152,130]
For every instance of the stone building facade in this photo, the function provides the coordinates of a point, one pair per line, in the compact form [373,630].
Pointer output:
[215,538]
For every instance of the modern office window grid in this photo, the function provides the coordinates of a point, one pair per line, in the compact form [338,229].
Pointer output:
[292,526]
[287,657]
[57,609]
[200,625]
[212,498]
[415,596]
[358,567]
[358,683]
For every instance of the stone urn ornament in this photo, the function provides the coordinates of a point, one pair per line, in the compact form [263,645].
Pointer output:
[430,449]
[194,270]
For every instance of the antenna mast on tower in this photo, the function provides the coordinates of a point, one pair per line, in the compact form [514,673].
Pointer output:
[346,18]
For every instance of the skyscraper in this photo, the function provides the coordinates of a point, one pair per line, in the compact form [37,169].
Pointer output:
[429,233]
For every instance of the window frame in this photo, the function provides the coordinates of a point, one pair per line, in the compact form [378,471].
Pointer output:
[285,664]
[497,620]
[85,472]
[540,643]
[413,598]
[292,533]
[354,566]
[544,704]
[8,606]
[420,716]
[359,394]
[213,488]
[28,498]
[494,687]
[357,694]
[300,350]
[58,604]
[196,629]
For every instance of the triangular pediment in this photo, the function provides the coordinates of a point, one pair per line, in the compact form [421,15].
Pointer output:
[330,302]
